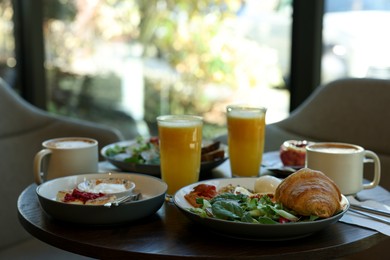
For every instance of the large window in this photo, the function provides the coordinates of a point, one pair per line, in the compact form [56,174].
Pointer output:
[7,43]
[123,63]
[356,43]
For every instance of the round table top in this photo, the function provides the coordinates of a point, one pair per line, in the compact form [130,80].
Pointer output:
[169,234]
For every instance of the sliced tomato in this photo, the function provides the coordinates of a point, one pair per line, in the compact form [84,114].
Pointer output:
[283,220]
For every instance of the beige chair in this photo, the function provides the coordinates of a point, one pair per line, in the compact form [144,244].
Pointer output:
[23,127]
[349,110]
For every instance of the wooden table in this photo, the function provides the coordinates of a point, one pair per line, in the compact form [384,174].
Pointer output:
[169,234]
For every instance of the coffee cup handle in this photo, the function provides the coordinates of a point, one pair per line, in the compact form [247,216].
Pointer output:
[377,170]
[38,165]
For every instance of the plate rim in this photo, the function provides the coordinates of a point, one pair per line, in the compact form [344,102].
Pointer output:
[277,227]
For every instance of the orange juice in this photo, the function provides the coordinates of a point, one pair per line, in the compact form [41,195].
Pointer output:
[246,130]
[180,150]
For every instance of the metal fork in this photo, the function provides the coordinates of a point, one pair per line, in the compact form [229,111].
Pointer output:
[124,199]
[370,216]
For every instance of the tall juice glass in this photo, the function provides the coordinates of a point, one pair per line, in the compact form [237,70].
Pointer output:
[246,130]
[180,139]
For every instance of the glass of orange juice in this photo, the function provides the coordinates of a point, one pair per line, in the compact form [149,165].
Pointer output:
[180,139]
[246,131]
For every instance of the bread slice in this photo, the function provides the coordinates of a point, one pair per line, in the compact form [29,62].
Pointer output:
[210,147]
[213,155]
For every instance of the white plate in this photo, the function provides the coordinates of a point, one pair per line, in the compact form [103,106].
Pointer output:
[150,169]
[248,230]
[152,189]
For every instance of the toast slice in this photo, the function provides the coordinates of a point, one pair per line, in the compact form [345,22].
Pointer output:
[213,155]
[210,147]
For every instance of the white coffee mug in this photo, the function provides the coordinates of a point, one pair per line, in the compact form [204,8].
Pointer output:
[65,156]
[344,164]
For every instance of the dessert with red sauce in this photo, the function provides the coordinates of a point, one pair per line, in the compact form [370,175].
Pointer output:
[293,152]
[96,191]
[76,196]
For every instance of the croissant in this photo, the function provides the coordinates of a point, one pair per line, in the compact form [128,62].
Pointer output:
[309,192]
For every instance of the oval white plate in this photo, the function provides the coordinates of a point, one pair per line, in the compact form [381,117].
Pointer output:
[248,230]
[153,196]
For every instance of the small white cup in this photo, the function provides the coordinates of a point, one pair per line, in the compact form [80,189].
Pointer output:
[343,163]
[66,156]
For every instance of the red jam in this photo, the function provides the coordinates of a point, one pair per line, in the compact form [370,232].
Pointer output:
[82,195]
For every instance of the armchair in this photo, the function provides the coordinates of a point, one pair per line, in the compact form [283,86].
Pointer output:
[23,127]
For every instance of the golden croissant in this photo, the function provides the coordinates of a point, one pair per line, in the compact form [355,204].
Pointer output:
[309,192]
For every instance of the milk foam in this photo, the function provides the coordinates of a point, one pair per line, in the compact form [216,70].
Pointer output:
[70,144]
[336,150]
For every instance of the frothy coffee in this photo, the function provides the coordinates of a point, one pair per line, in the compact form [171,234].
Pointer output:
[334,149]
[71,144]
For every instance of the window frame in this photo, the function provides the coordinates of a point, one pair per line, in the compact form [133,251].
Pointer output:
[305,62]
[29,51]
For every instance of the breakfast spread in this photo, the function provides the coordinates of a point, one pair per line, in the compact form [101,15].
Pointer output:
[306,195]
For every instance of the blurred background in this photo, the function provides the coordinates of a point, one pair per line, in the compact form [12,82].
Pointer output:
[124,62]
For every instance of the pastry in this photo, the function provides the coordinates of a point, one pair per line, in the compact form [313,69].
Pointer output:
[309,192]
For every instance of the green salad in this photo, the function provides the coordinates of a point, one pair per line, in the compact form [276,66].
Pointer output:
[142,151]
[249,209]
